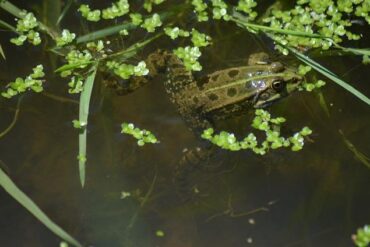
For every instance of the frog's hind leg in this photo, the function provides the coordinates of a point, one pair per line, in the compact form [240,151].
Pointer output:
[192,161]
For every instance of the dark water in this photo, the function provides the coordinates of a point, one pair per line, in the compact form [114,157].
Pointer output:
[316,197]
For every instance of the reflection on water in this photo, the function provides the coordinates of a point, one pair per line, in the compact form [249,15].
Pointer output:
[316,197]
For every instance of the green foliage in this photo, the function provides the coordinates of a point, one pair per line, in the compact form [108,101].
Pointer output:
[151,23]
[76,60]
[362,237]
[200,9]
[125,71]
[10,187]
[88,14]
[66,38]
[189,55]
[26,26]
[247,6]
[175,32]
[199,39]
[331,19]
[31,82]
[263,122]
[142,136]
[148,4]
[136,19]
[117,9]
[220,10]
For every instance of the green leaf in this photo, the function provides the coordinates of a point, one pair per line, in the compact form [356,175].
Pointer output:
[28,204]
[64,11]
[321,69]
[2,53]
[83,117]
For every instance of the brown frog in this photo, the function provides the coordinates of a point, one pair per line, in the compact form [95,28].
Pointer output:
[221,94]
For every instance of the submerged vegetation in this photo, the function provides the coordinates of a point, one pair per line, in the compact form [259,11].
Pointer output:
[307,26]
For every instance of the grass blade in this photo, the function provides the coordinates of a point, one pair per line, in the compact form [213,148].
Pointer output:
[359,155]
[7,26]
[83,117]
[2,53]
[321,69]
[12,9]
[27,203]
[104,32]
[64,11]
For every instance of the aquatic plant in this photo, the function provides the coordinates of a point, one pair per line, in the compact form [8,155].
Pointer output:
[263,122]
[362,237]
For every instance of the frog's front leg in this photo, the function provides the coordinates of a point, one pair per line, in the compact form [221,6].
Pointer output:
[259,58]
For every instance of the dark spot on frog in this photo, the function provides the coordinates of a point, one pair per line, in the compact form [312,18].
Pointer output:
[202,81]
[231,92]
[215,77]
[195,100]
[232,73]
[213,97]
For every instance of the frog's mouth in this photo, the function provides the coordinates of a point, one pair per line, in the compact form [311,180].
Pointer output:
[267,98]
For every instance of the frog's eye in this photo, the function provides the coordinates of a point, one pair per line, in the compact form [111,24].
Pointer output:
[277,85]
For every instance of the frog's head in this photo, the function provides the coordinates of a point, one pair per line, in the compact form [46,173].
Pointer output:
[278,83]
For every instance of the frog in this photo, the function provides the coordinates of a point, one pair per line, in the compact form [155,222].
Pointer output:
[218,95]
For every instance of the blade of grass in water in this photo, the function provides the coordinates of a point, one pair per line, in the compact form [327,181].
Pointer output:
[83,117]
[2,53]
[7,26]
[321,69]
[64,11]
[27,203]
[359,155]
[12,9]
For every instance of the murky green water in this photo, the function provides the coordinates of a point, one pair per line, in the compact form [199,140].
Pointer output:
[316,197]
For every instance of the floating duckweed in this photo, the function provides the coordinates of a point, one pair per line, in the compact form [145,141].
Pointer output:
[25,27]
[175,32]
[75,85]
[66,38]
[78,124]
[151,23]
[220,10]
[247,6]
[117,9]
[96,46]
[125,71]
[189,56]
[31,82]
[136,19]
[263,122]
[329,19]
[199,39]
[200,9]
[159,233]
[148,4]
[142,136]
[362,237]
[89,15]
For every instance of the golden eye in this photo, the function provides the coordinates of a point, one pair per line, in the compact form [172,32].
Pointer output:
[277,85]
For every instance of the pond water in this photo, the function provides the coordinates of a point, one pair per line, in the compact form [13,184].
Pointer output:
[316,197]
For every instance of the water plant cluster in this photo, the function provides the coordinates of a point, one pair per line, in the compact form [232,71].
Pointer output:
[362,237]
[31,82]
[142,135]
[263,122]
